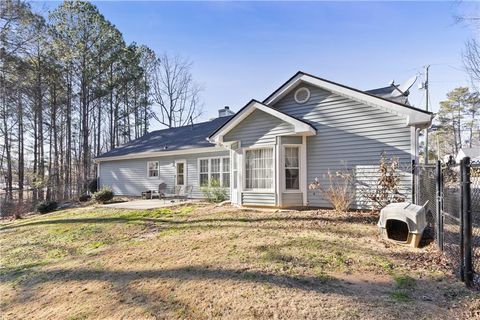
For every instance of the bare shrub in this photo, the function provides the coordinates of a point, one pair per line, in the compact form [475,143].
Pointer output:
[15,209]
[385,190]
[339,190]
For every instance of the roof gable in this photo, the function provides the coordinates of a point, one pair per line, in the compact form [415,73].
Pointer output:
[414,116]
[299,126]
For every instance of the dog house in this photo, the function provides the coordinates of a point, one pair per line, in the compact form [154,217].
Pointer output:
[403,222]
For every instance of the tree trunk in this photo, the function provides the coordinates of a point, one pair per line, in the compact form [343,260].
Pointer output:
[21,159]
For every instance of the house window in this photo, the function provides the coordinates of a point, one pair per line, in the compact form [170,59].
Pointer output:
[292,169]
[214,169]
[259,168]
[203,172]
[226,172]
[235,171]
[152,169]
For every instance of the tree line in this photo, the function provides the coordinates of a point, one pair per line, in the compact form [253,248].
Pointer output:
[457,123]
[71,88]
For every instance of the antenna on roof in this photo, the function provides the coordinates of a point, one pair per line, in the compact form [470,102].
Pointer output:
[402,90]
[191,122]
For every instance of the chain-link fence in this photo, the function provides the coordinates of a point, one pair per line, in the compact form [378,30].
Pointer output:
[425,195]
[450,199]
[453,213]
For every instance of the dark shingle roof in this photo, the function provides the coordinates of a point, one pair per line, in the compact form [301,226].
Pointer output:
[386,92]
[471,152]
[180,138]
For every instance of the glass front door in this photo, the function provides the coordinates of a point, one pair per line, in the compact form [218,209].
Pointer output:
[180,173]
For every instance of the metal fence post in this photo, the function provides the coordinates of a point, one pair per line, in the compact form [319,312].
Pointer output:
[438,206]
[462,192]
[467,222]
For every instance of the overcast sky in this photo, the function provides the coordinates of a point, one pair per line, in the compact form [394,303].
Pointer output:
[245,50]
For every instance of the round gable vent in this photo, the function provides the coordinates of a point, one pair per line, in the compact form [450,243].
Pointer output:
[302,95]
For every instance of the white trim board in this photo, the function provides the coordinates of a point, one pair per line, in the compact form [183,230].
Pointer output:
[159,154]
[414,117]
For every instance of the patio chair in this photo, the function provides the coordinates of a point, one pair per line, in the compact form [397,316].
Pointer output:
[185,193]
[150,194]
[162,187]
[172,195]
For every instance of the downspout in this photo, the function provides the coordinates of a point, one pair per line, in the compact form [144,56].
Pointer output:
[415,176]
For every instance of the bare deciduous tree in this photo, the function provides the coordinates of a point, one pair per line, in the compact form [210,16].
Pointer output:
[175,92]
[471,59]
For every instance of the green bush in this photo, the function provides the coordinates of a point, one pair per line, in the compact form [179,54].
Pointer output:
[84,197]
[46,206]
[103,195]
[214,192]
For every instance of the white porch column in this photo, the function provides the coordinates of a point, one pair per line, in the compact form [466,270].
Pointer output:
[303,170]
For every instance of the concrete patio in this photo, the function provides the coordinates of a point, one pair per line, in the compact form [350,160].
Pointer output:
[146,204]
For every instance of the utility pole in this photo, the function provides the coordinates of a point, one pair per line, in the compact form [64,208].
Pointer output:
[425,86]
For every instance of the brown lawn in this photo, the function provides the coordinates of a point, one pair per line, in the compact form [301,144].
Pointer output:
[204,262]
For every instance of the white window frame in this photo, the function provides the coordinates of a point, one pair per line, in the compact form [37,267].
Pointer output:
[284,168]
[244,169]
[148,169]
[209,169]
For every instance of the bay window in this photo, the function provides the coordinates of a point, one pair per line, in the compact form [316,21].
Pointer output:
[292,168]
[259,168]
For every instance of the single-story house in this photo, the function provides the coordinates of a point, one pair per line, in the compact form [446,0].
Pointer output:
[473,153]
[268,152]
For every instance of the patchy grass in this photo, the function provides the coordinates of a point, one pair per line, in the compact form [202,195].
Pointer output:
[202,262]
[404,282]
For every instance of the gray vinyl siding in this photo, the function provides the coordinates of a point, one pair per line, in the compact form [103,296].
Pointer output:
[259,128]
[350,135]
[290,140]
[258,199]
[292,199]
[129,177]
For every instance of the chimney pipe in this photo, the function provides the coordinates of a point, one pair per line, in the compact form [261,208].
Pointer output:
[225,112]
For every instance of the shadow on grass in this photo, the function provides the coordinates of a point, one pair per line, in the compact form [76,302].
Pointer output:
[370,219]
[124,283]
[188,273]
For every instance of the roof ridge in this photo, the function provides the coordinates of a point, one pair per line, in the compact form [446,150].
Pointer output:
[189,125]
[365,92]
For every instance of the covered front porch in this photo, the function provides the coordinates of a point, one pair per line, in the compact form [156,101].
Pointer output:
[268,157]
